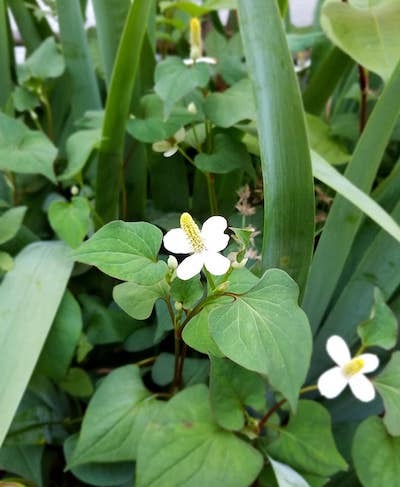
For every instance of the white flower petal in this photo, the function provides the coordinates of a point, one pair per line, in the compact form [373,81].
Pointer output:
[176,241]
[362,388]
[216,263]
[338,350]
[161,146]
[171,152]
[188,62]
[332,382]
[190,266]
[213,234]
[371,362]
[180,135]
[207,60]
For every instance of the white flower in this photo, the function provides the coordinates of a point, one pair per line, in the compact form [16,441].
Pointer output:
[196,46]
[348,371]
[202,59]
[170,146]
[204,245]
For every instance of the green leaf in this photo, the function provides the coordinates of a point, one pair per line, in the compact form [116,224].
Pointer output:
[366,31]
[299,443]
[6,261]
[10,223]
[195,370]
[285,156]
[77,383]
[115,419]
[29,297]
[388,385]
[228,155]
[101,474]
[263,329]
[322,142]
[138,299]
[70,220]
[232,388]
[183,446]
[24,99]
[62,340]
[174,80]
[187,292]
[126,251]
[23,150]
[376,454]
[232,106]
[286,476]
[79,147]
[23,460]
[380,330]
[45,62]
[324,172]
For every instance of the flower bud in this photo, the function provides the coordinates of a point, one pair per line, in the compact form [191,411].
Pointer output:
[172,262]
[191,108]
[178,305]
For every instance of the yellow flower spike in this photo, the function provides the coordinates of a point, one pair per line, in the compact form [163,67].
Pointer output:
[196,43]
[192,232]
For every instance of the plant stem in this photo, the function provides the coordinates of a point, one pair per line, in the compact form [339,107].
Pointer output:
[186,156]
[146,361]
[363,82]
[181,363]
[212,197]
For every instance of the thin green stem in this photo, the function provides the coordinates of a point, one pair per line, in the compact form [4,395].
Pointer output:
[49,115]
[212,197]
[210,280]
[186,156]
[196,138]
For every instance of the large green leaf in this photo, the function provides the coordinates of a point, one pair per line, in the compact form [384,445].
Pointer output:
[23,150]
[10,222]
[138,299]
[29,298]
[232,388]
[115,419]
[125,250]
[388,385]
[183,446]
[376,454]
[285,156]
[300,442]
[366,30]
[23,460]
[62,340]
[263,330]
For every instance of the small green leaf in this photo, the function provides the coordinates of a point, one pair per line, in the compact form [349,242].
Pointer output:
[183,446]
[24,99]
[232,106]
[10,223]
[70,220]
[6,261]
[138,299]
[126,251]
[299,443]
[77,383]
[367,31]
[380,330]
[264,329]
[388,385]
[376,454]
[228,155]
[174,80]
[115,419]
[195,370]
[23,150]
[45,62]
[62,340]
[187,292]
[232,388]
[79,147]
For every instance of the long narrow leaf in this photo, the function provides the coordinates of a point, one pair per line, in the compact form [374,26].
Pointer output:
[86,94]
[344,219]
[117,109]
[110,19]
[29,298]
[324,172]
[285,156]
[5,77]
[25,23]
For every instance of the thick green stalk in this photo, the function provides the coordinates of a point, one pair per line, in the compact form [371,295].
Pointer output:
[285,155]
[325,79]
[110,19]
[117,110]
[5,77]
[344,219]
[86,94]
[26,25]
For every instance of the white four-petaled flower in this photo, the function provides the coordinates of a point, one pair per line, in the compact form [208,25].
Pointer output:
[204,245]
[348,371]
